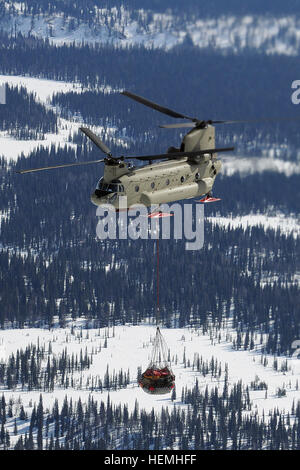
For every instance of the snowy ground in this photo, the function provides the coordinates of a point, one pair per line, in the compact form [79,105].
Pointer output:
[44,89]
[131,347]
[285,224]
[272,35]
[11,148]
[250,165]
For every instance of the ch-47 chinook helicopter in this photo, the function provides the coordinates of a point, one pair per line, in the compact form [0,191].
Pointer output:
[181,173]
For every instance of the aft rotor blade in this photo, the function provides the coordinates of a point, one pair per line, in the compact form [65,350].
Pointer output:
[178,125]
[156,106]
[32,170]
[241,121]
[175,155]
[195,124]
[198,124]
[94,138]
[282,119]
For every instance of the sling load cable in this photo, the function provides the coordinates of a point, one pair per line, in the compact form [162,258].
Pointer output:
[157,284]
[158,378]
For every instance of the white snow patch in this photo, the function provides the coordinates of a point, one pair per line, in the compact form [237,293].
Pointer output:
[270,279]
[44,89]
[285,224]
[250,165]
[270,34]
[131,347]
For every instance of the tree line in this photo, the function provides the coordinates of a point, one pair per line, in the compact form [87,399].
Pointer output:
[213,420]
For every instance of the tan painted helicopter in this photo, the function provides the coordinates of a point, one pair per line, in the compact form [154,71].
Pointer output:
[182,173]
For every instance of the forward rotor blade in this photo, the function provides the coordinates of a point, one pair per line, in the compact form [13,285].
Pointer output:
[101,145]
[32,170]
[156,106]
[175,155]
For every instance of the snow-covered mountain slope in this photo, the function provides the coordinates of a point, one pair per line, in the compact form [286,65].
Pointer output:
[248,166]
[285,224]
[129,347]
[122,27]
[43,89]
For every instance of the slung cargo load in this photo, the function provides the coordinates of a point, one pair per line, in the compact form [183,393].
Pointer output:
[158,379]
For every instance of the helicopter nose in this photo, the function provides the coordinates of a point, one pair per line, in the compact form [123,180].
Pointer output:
[95,198]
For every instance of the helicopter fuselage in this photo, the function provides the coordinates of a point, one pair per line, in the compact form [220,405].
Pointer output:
[163,182]
[157,183]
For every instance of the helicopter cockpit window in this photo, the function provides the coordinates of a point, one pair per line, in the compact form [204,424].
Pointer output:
[117,186]
[110,187]
[113,187]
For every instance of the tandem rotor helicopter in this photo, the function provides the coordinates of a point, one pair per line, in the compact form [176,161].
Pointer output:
[182,173]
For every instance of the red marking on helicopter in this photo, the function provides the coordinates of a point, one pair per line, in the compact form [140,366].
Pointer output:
[159,215]
[209,199]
